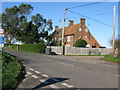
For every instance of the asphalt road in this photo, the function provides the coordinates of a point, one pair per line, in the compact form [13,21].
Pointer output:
[47,71]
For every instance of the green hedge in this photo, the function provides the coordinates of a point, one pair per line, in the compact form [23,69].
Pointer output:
[12,72]
[80,43]
[34,48]
[14,46]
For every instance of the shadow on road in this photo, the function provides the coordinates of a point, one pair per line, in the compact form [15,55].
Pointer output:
[49,82]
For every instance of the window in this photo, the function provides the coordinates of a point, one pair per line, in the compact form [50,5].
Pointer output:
[80,29]
[86,30]
[85,36]
[68,45]
[68,38]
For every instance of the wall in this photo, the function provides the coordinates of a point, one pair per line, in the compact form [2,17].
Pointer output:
[81,51]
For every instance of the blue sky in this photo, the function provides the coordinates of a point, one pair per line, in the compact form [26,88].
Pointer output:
[54,10]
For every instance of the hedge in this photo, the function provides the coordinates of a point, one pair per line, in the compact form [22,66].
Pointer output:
[34,48]
[14,46]
[13,72]
[80,43]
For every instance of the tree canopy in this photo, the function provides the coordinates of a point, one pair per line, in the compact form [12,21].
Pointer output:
[19,26]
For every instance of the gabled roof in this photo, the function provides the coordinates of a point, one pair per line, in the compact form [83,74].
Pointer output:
[69,30]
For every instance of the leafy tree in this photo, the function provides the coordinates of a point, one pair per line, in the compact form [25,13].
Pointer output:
[80,43]
[19,27]
[44,25]
[13,18]
[117,43]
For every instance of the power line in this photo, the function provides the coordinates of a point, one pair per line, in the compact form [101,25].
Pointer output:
[91,18]
[85,5]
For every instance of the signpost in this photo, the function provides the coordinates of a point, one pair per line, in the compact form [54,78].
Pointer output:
[1,38]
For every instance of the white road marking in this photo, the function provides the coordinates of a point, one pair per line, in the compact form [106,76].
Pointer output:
[117,75]
[26,75]
[42,80]
[29,73]
[24,79]
[52,86]
[34,76]
[44,75]
[112,74]
[66,64]
[67,85]
[37,72]
[108,65]
[31,69]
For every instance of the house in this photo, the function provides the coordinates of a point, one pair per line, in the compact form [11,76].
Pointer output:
[74,32]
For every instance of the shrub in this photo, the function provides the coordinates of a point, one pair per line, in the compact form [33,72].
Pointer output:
[14,46]
[80,43]
[12,72]
[34,48]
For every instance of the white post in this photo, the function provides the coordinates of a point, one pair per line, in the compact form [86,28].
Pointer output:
[114,29]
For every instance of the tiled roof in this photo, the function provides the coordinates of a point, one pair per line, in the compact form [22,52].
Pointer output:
[69,30]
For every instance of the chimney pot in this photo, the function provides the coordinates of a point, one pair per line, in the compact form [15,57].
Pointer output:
[82,21]
[71,22]
[56,27]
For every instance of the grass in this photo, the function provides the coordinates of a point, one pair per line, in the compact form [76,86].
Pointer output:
[112,58]
[12,72]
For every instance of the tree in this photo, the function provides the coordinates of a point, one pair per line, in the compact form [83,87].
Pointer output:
[117,43]
[44,25]
[80,43]
[18,27]
[13,18]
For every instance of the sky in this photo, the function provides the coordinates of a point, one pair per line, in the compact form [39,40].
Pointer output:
[102,12]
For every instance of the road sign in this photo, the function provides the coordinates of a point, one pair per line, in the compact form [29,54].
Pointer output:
[1,40]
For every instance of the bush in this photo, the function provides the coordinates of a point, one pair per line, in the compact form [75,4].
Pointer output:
[14,46]
[12,72]
[34,48]
[80,43]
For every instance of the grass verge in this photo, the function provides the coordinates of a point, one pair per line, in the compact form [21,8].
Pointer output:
[112,58]
[13,72]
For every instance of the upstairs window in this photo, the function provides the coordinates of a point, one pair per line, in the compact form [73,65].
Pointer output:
[86,30]
[79,29]
[68,38]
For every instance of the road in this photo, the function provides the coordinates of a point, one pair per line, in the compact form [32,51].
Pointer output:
[47,71]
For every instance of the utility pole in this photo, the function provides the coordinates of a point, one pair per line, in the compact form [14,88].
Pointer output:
[63,30]
[114,29]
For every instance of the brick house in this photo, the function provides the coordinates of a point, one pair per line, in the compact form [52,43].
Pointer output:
[74,32]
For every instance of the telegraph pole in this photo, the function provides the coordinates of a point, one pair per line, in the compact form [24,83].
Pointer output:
[63,30]
[114,29]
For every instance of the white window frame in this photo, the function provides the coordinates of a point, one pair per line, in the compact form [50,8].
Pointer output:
[86,30]
[68,38]
[80,29]
[85,36]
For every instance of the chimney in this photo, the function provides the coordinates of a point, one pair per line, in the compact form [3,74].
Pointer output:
[82,21]
[71,22]
[56,27]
